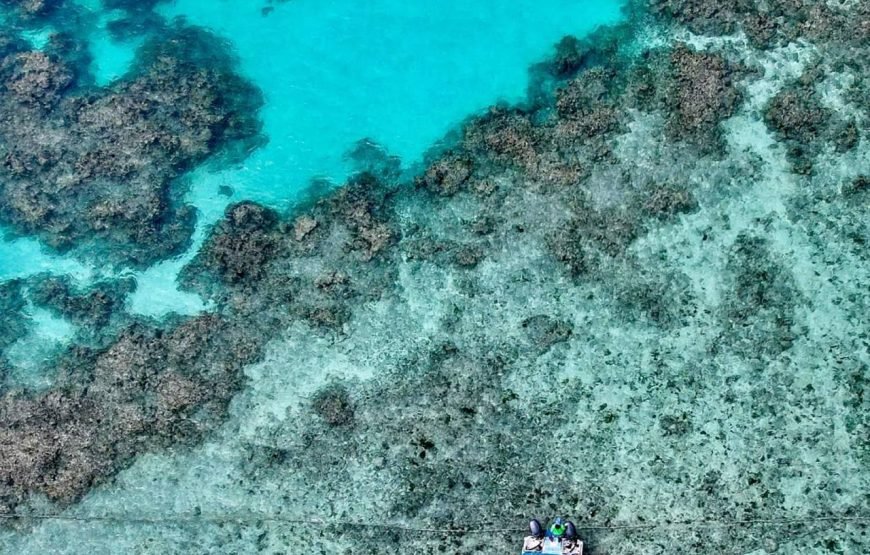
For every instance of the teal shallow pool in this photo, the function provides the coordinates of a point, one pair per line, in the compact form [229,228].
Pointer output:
[400,73]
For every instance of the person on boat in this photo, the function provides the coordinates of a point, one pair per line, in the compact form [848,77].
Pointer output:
[557,530]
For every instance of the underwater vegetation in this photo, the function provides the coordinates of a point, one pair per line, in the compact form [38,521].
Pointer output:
[639,298]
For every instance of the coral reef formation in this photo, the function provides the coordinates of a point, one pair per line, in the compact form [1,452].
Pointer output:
[638,298]
[149,389]
[97,313]
[621,180]
[33,8]
[771,23]
[95,168]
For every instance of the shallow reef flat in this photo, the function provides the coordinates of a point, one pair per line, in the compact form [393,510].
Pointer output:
[639,299]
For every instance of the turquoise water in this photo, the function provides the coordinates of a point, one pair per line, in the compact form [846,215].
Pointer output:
[641,305]
[401,74]
[396,72]
[111,58]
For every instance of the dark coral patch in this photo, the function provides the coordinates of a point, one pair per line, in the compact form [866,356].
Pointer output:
[759,315]
[586,108]
[701,94]
[92,308]
[13,324]
[314,266]
[334,406]
[32,9]
[446,175]
[34,78]
[363,209]
[94,168]
[242,243]
[662,297]
[797,115]
[592,237]
[666,201]
[545,331]
[767,24]
[150,388]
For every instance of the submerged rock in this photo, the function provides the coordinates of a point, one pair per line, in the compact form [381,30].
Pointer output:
[760,312]
[359,206]
[34,78]
[33,8]
[242,243]
[92,308]
[544,331]
[314,266]
[701,95]
[770,23]
[303,226]
[797,115]
[13,324]
[446,175]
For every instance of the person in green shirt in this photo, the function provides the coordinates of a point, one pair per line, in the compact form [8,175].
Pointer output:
[557,530]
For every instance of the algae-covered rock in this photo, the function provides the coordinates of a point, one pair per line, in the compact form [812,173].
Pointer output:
[34,78]
[544,331]
[33,8]
[760,312]
[797,115]
[13,324]
[242,243]
[92,308]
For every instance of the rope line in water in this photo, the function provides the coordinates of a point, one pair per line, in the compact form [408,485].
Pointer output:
[253,518]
